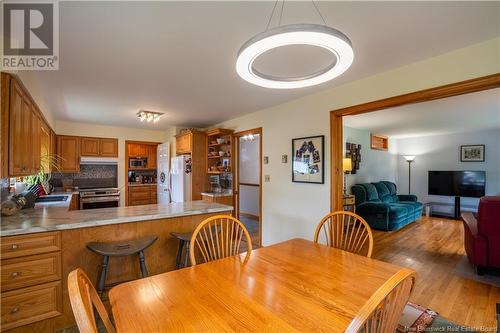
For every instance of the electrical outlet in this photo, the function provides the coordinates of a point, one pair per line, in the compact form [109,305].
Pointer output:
[284,158]
[266,159]
[267,178]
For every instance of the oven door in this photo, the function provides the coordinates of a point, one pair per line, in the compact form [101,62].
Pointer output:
[99,202]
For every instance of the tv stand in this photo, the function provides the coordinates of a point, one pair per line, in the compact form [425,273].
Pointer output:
[457,208]
[450,210]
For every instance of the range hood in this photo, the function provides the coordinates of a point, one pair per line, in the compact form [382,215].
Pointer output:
[99,160]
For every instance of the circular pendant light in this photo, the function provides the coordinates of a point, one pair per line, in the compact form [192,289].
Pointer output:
[295,34]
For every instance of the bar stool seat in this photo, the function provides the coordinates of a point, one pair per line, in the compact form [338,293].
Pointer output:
[120,249]
[123,248]
[184,239]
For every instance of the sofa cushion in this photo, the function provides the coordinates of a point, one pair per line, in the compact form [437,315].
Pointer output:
[384,193]
[371,192]
[398,212]
[414,204]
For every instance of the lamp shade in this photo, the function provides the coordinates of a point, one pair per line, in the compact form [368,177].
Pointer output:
[346,164]
[409,158]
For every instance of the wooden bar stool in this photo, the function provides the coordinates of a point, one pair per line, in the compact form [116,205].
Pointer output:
[184,243]
[120,249]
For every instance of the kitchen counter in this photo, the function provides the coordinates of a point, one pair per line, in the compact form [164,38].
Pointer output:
[53,204]
[57,217]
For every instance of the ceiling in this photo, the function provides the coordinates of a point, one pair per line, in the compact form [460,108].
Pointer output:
[465,113]
[179,57]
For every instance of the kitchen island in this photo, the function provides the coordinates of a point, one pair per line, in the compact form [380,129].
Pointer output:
[40,246]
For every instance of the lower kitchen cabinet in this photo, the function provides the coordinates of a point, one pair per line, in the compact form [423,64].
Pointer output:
[141,195]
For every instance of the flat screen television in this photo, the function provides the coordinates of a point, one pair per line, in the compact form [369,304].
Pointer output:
[457,183]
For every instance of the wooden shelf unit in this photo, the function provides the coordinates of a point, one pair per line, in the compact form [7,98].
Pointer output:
[213,161]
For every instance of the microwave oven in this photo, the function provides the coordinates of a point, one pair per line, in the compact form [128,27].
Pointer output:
[138,163]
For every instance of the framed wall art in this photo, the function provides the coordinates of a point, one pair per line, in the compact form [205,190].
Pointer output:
[472,153]
[308,160]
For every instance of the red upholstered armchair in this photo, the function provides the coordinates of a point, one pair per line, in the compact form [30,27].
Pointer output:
[482,235]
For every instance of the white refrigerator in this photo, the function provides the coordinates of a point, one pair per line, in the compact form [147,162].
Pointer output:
[180,178]
[163,173]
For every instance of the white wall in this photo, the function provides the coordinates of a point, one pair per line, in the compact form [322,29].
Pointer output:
[442,153]
[121,133]
[249,173]
[376,165]
[294,209]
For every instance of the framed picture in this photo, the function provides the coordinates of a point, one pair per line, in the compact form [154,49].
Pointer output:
[308,160]
[472,153]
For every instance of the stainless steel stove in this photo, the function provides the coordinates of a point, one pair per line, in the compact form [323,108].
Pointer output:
[99,198]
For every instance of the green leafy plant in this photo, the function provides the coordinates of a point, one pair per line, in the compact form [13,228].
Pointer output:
[48,163]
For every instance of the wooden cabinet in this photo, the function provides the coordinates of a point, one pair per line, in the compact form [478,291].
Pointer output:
[137,150]
[194,143]
[89,146]
[31,279]
[108,147]
[183,143]
[225,200]
[99,147]
[152,156]
[26,136]
[20,133]
[141,195]
[68,149]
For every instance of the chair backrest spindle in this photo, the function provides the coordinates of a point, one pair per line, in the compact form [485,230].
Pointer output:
[218,237]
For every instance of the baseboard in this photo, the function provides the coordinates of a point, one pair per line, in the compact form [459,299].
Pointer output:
[250,216]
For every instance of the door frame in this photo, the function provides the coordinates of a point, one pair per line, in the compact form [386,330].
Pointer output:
[336,120]
[236,181]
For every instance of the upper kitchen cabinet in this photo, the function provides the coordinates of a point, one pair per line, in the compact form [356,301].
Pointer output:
[68,149]
[186,142]
[89,146]
[137,150]
[99,147]
[26,136]
[108,147]
[20,132]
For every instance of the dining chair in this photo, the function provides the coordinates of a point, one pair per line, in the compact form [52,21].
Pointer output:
[84,299]
[218,237]
[346,231]
[382,311]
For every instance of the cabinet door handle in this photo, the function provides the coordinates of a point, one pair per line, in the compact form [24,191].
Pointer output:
[14,246]
[14,275]
[14,310]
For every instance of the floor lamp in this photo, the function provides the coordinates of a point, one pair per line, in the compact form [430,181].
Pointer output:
[409,159]
[346,167]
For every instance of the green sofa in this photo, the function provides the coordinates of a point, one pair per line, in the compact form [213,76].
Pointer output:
[381,206]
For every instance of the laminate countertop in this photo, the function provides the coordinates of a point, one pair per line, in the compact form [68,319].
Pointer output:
[50,218]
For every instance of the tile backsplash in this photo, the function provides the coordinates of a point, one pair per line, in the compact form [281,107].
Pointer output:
[90,176]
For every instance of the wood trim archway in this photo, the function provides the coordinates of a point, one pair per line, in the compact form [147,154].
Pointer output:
[336,120]
[236,178]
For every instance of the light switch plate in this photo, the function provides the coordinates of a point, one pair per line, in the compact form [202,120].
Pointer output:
[266,159]
[284,158]
[267,178]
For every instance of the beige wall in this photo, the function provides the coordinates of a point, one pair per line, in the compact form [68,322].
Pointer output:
[121,133]
[293,209]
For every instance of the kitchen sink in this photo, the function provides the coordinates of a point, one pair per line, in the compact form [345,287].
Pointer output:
[52,198]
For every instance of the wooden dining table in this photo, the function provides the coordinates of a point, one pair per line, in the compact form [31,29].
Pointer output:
[294,286]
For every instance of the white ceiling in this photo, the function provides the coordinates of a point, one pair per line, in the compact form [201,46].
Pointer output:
[179,57]
[465,113]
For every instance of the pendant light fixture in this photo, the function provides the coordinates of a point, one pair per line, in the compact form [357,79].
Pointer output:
[322,36]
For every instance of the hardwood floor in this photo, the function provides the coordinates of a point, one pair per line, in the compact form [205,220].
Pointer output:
[432,247]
